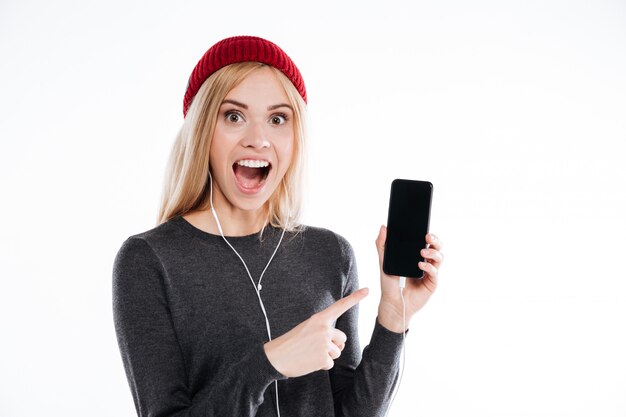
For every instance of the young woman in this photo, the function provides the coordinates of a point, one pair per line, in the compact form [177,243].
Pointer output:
[229,306]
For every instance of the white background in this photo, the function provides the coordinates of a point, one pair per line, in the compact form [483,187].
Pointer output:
[514,110]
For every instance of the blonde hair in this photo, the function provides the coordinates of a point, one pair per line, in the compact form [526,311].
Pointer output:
[186,182]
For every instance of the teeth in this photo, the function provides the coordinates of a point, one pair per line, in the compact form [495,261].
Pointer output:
[253,163]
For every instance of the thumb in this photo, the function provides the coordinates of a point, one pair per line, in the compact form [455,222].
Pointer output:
[380,244]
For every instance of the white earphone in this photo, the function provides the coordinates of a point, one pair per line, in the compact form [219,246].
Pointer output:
[257,287]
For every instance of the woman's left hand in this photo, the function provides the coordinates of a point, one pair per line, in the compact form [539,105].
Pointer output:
[417,291]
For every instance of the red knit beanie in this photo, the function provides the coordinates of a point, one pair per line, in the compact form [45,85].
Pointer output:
[240,49]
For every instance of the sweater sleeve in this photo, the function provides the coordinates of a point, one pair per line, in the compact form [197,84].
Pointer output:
[152,356]
[362,384]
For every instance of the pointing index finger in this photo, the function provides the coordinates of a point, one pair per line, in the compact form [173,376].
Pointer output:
[335,310]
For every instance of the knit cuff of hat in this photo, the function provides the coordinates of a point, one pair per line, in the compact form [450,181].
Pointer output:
[241,49]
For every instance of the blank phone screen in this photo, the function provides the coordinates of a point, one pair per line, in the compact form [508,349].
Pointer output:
[407,226]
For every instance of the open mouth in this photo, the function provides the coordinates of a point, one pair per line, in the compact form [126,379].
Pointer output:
[250,173]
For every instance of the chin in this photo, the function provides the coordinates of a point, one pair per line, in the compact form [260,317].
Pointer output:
[252,201]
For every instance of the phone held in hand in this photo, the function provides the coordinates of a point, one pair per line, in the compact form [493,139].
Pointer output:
[407,226]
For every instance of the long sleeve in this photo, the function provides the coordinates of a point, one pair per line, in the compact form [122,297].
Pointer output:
[362,384]
[152,356]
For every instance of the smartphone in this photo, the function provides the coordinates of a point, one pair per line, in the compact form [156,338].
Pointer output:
[407,226]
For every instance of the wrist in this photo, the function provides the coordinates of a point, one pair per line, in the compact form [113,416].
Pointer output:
[390,318]
[272,357]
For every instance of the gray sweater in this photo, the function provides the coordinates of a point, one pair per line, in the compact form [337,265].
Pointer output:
[191,332]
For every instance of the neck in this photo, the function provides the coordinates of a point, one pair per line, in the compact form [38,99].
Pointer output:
[236,222]
[233,220]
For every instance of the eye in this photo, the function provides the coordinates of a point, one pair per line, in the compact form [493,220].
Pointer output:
[279,118]
[233,116]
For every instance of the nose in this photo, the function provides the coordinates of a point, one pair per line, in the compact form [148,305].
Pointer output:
[255,136]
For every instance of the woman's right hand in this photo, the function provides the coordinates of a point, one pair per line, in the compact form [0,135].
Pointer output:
[313,344]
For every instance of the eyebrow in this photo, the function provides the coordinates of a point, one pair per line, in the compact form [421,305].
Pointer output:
[245,106]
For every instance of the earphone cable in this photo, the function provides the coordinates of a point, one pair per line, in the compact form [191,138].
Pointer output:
[256,288]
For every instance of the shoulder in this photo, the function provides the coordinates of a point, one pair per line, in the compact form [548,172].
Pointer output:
[157,236]
[163,231]
[337,255]
[141,247]
[326,238]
